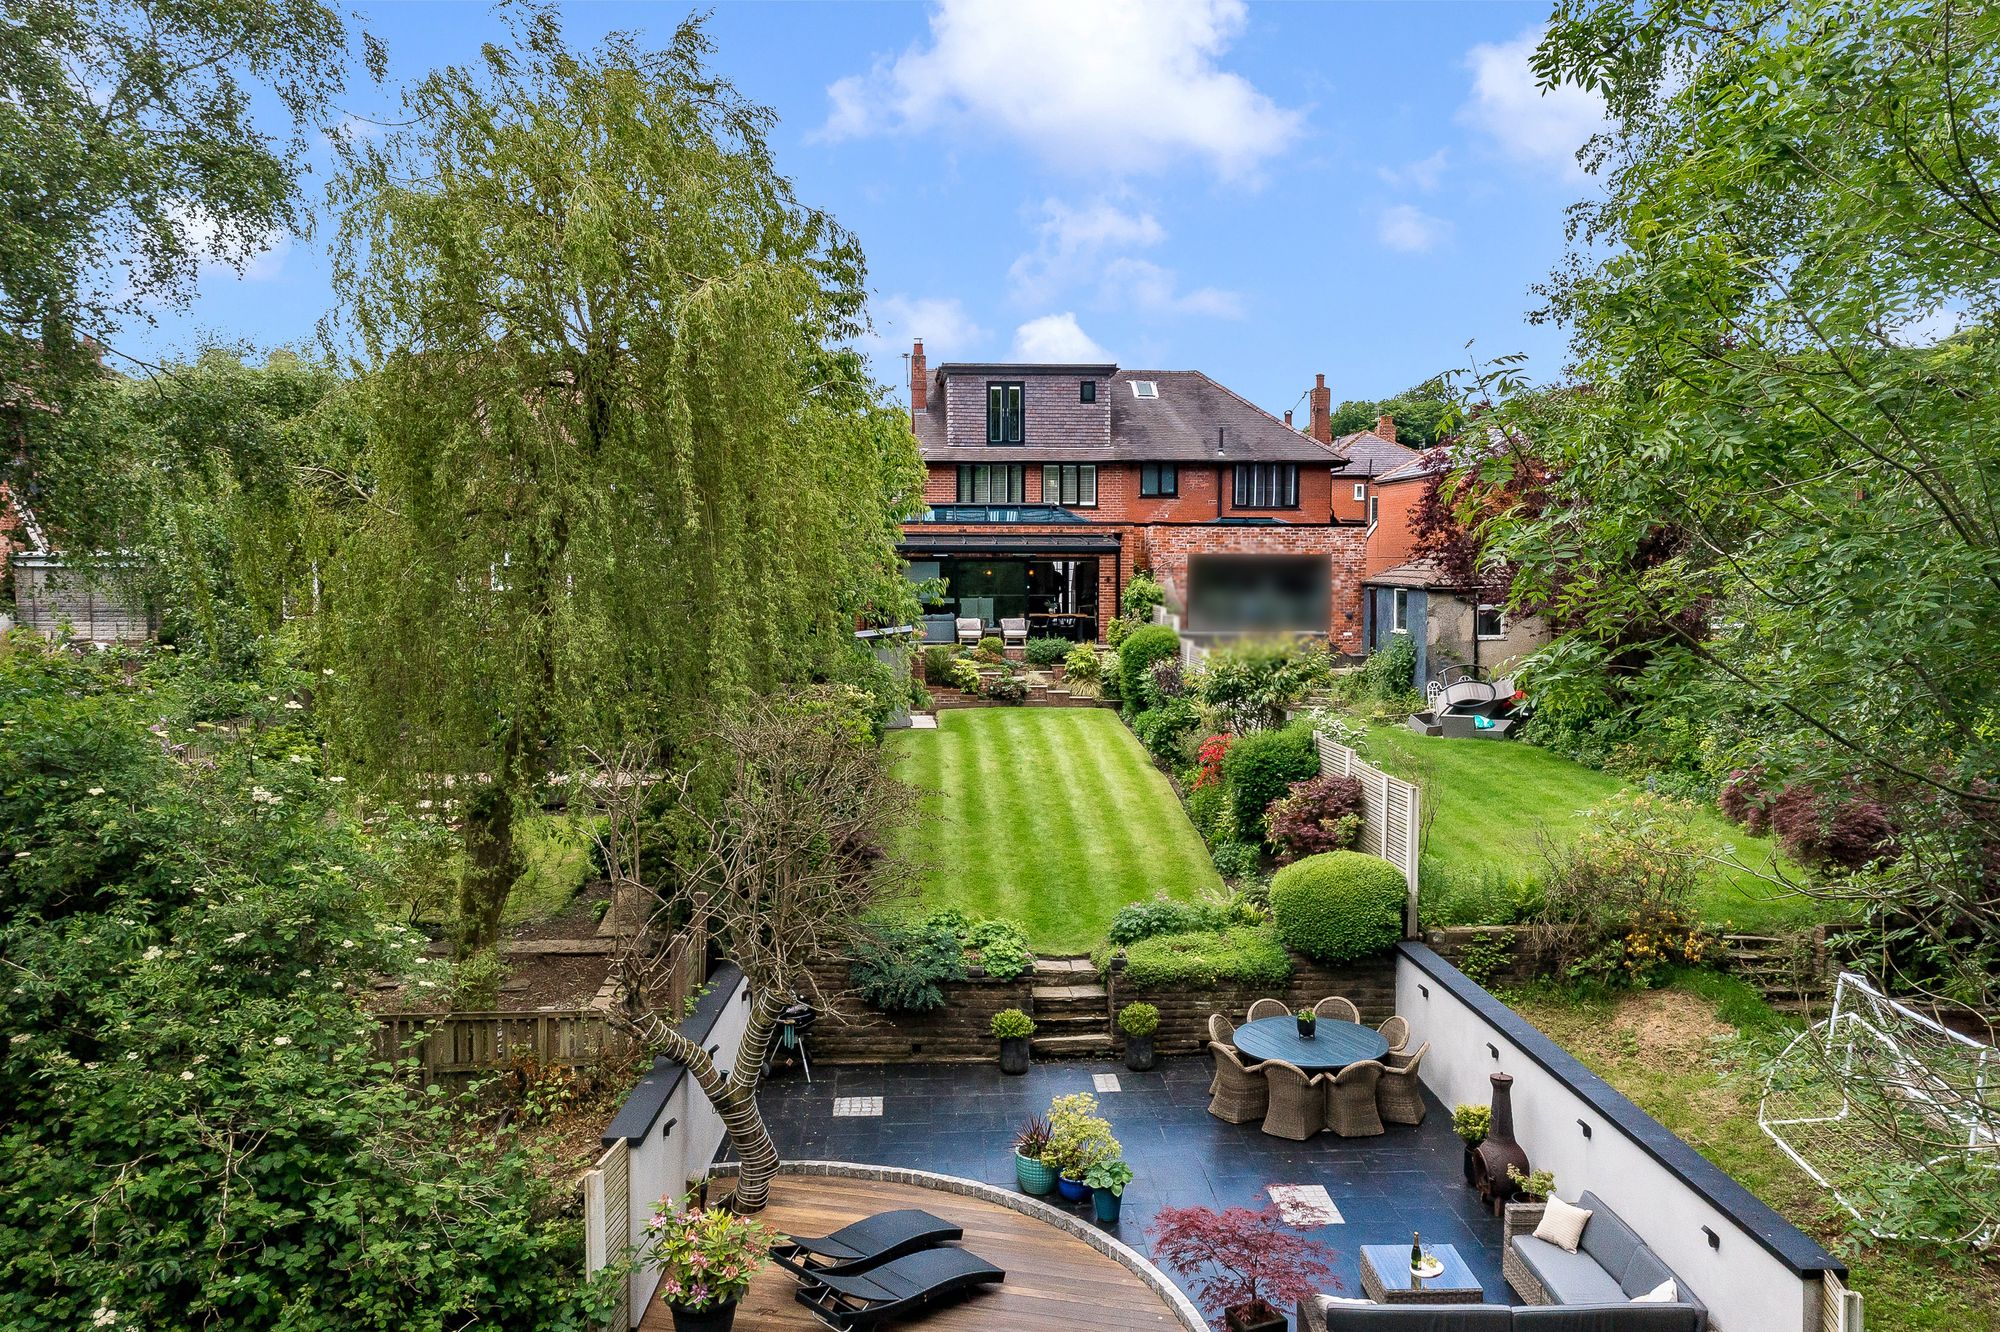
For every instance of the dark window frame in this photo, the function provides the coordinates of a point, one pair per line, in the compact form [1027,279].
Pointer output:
[1165,483]
[1014,483]
[1064,474]
[1086,391]
[997,419]
[1248,491]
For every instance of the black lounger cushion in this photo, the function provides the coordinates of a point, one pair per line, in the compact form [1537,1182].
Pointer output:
[866,1243]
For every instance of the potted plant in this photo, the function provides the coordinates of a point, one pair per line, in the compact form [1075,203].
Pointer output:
[1470,1122]
[1251,1266]
[1139,1021]
[1106,1180]
[1079,1138]
[706,1259]
[1535,1186]
[1030,1170]
[1012,1028]
[1308,1023]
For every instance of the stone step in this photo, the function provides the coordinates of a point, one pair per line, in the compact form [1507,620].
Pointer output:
[1073,1046]
[1063,966]
[1069,1024]
[1056,995]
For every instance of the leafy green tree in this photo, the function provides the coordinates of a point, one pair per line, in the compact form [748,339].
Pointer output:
[1423,412]
[619,474]
[129,156]
[1775,466]
[198,1130]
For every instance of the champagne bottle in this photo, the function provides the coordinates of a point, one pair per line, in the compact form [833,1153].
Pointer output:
[1416,1253]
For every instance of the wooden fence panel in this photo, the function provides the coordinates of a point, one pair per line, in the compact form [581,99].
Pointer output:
[1839,1307]
[1391,815]
[607,1223]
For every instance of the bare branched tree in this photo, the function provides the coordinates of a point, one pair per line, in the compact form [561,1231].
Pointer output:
[783,870]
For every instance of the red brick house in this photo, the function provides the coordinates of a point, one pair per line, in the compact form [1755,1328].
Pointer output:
[1051,485]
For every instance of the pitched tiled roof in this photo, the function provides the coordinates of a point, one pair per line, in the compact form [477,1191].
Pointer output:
[1180,425]
[1368,454]
[1416,573]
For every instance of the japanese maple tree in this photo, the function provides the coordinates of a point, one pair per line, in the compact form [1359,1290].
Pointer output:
[1240,1257]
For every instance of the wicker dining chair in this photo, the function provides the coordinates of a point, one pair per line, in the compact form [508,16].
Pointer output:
[1397,1032]
[1398,1095]
[1222,1030]
[1264,1008]
[1240,1095]
[1297,1108]
[1350,1101]
[1337,1008]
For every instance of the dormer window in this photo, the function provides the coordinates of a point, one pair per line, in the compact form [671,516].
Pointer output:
[1087,391]
[1004,413]
[1145,388]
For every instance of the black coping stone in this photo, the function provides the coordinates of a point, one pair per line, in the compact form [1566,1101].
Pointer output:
[960,1119]
[636,1117]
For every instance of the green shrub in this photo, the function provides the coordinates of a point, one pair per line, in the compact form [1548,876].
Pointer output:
[1161,729]
[1007,689]
[938,658]
[1338,905]
[1011,1024]
[1002,946]
[1140,1019]
[1235,860]
[1108,684]
[1116,630]
[1142,596]
[1141,920]
[1244,954]
[993,649]
[1261,767]
[1208,808]
[1136,655]
[962,675]
[903,968]
[1081,663]
[920,697]
[1391,670]
[1250,686]
[1046,651]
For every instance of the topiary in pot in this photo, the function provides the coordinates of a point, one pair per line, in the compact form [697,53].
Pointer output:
[1339,905]
[1012,1028]
[1139,1021]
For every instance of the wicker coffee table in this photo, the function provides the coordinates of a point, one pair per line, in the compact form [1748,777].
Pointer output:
[1385,1275]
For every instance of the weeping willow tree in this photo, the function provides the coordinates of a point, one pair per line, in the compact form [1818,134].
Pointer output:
[619,477]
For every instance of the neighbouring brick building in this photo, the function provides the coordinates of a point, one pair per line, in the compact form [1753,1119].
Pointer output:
[1051,485]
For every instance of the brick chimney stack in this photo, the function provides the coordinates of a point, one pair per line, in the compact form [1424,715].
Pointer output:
[920,380]
[1385,428]
[1322,410]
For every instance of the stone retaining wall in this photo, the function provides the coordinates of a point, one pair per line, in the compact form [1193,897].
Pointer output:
[1370,983]
[854,1033]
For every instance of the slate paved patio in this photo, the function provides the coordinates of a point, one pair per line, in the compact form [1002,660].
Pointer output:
[960,1119]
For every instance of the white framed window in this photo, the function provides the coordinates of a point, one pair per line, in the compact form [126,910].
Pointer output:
[1399,617]
[1360,490]
[1490,621]
[1073,485]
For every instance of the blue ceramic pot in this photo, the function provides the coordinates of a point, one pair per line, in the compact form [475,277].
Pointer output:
[1104,1204]
[1072,1190]
[1033,1176]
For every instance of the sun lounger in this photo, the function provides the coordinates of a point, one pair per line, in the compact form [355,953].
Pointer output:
[867,1243]
[897,1290]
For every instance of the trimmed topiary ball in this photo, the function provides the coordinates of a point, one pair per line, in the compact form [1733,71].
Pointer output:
[1136,655]
[1339,905]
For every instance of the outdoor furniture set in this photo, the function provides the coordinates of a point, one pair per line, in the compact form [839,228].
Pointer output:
[1587,1271]
[1301,1077]
[890,1266]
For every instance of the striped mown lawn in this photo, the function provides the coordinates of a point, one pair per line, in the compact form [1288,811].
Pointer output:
[1053,817]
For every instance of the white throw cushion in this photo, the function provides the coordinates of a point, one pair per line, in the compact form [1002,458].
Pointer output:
[1328,1301]
[1562,1224]
[1664,1293]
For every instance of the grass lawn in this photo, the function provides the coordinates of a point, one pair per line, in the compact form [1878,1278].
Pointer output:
[1054,817]
[1493,799]
[1690,1056]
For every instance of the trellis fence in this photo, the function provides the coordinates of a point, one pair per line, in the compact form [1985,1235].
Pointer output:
[1391,815]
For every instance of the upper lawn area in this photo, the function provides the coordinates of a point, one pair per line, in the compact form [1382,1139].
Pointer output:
[1490,801]
[1054,817]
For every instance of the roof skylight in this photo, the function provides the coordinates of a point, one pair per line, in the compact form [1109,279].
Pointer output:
[1145,388]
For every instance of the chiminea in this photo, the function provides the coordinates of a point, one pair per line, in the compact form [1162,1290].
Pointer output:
[1499,1151]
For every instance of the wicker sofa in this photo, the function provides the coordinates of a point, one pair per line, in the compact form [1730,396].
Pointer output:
[1316,1316]
[1611,1262]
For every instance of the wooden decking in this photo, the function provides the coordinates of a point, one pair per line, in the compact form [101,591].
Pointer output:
[1054,1280]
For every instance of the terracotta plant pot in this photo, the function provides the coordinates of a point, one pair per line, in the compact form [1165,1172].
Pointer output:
[1255,1316]
[1139,1055]
[1014,1055]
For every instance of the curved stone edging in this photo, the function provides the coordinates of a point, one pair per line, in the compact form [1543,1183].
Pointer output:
[1115,1249]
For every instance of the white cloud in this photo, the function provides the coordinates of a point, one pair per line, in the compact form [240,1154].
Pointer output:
[1056,338]
[1927,330]
[1079,247]
[1528,124]
[1124,86]
[1410,229]
[1422,175]
[1152,288]
[949,333]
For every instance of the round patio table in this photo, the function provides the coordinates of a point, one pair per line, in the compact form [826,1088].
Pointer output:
[1336,1045]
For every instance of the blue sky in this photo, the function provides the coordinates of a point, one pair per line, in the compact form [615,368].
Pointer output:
[1261,192]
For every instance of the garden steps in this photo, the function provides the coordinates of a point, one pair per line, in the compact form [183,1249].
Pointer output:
[1057,995]
[1062,967]
[1072,1011]
[1097,1043]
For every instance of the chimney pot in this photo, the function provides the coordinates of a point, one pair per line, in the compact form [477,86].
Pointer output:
[1385,428]
[1321,416]
[920,382]
[1288,416]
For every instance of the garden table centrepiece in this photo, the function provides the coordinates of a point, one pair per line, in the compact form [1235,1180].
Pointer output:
[1333,1046]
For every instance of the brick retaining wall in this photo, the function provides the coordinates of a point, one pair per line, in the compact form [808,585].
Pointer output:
[854,1033]
[1370,983]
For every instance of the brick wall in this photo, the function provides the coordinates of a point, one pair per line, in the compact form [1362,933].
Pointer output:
[1370,983]
[854,1033]
[1119,501]
[1393,542]
[1165,550]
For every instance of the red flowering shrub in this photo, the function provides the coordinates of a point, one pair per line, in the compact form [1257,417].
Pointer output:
[1241,1257]
[1816,830]
[1209,759]
[1320,814]
[1745,799]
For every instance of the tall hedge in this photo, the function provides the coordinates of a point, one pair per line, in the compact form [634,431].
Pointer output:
[1261,767]
[1338,905]
[1136,655]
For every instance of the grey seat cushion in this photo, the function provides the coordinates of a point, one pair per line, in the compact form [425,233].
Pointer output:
[1620,1317]
[1418,1318]
[1607,1238]
[1571,1278]
[1643,1273]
